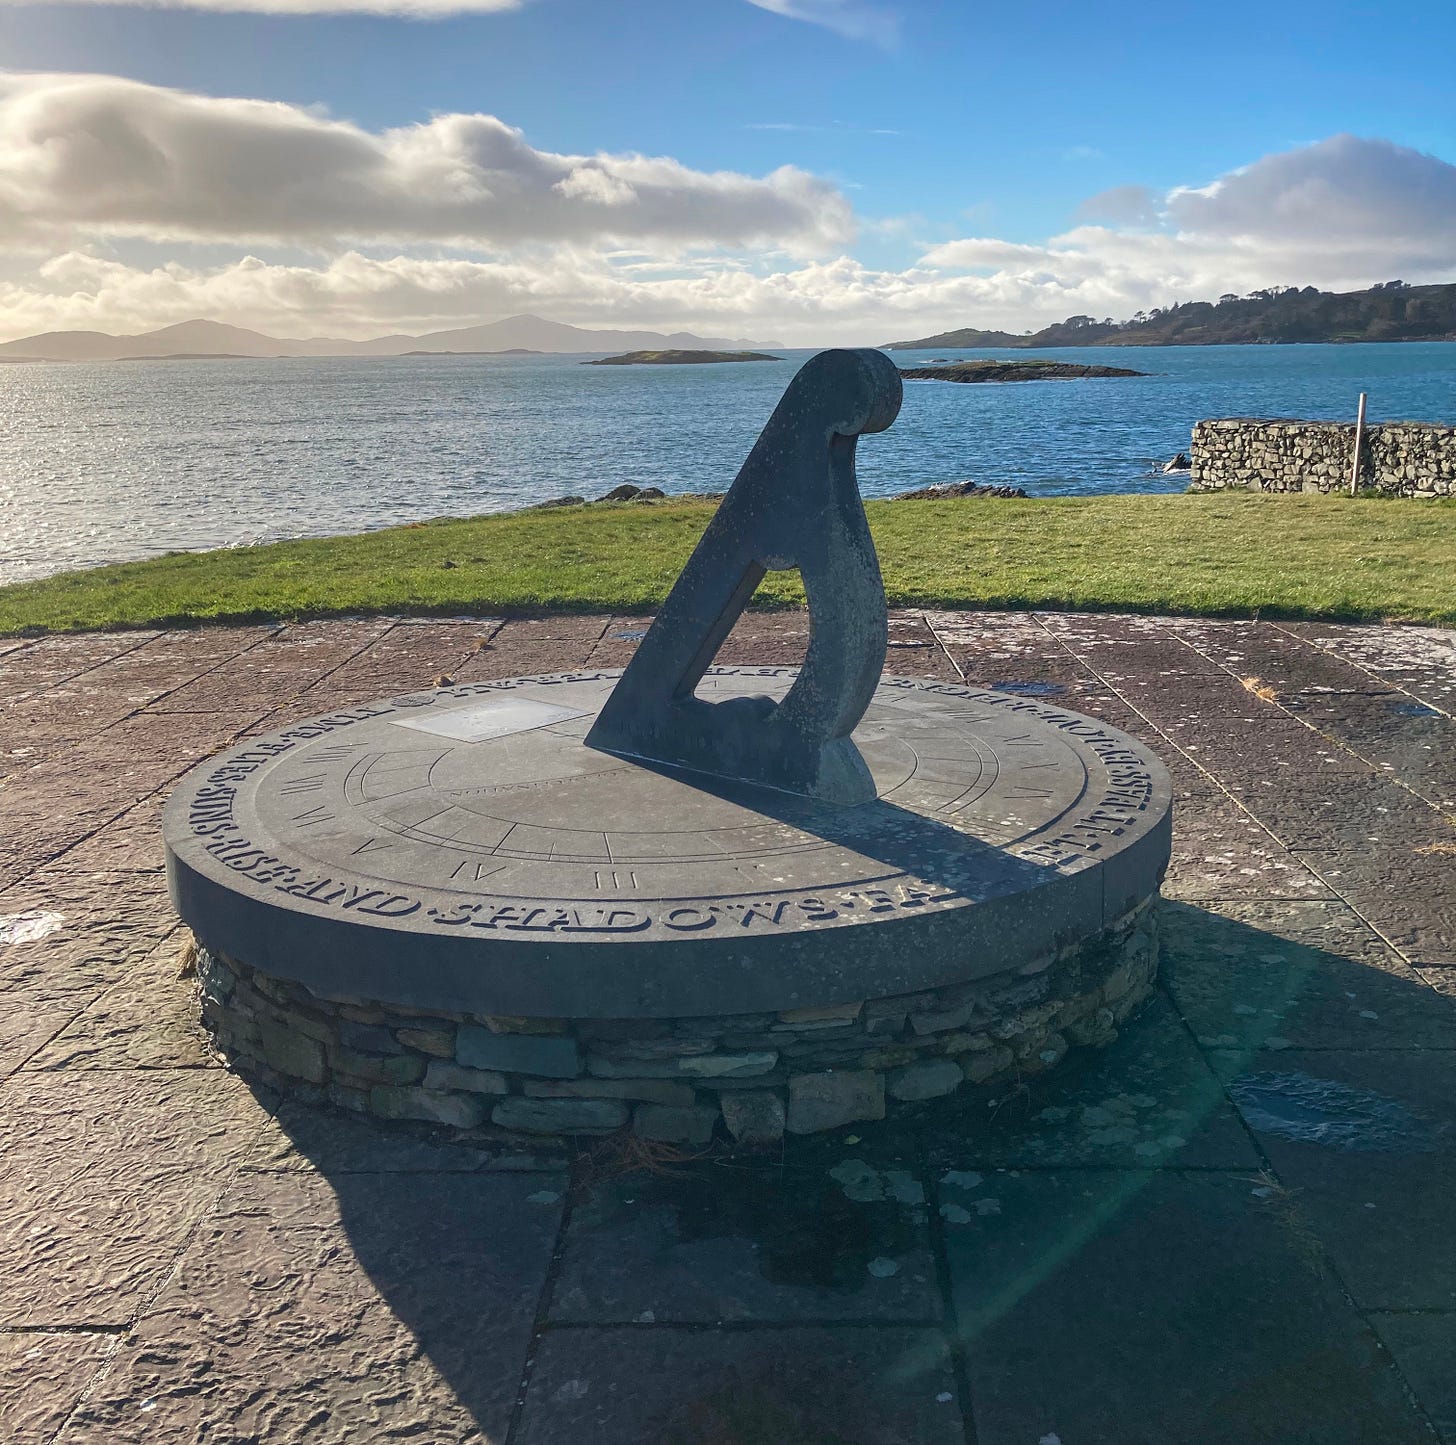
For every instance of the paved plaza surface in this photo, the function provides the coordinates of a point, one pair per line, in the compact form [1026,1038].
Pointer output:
[1235,1224]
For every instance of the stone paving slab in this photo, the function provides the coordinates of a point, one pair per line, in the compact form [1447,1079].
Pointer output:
[1117,1308]
[71,936]
[146,1020]
[1424,1347]
[130,843]
[406,658]
[26,1025]
[1220,850]
[1165,1241]
[105,1174]
[1405,890]
[370,1307]
[1303,974]
[1151,1100]
[751,1387]
[50,662]
[1367,1143]
[748,1244]
[42,1377]
[1414,741]
[1315,811]
[1415,659]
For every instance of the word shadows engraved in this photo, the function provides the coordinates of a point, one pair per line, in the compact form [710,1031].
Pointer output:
[848,904]
[236,852]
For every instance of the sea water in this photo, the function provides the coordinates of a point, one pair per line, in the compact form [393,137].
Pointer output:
[120,460]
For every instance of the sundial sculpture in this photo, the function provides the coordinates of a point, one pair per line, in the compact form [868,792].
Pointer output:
[682,897]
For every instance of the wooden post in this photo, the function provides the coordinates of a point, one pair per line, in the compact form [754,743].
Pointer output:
[1359,439]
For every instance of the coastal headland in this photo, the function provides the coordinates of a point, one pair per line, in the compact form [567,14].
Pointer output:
[1274,315]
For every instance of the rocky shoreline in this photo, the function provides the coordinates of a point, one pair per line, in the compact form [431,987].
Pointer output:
[976,371]
[629,492]
[679,358]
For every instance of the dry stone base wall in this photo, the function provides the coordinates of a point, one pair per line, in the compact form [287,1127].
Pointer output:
[750,1076]
[1409,459]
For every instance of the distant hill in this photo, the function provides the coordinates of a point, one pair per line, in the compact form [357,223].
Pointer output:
[958,340]
[213,338]
[187,338]
[1392,311]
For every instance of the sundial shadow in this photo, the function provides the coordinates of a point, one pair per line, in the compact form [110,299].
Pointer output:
[457,1236]
[903,840]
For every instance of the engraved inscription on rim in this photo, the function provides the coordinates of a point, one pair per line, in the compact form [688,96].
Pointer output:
[354,815]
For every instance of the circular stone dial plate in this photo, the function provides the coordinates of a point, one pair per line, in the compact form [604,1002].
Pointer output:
[476,812]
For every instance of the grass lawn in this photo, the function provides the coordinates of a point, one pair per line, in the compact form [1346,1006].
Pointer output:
[1225,554]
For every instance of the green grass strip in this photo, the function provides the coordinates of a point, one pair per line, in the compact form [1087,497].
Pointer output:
[1217,555]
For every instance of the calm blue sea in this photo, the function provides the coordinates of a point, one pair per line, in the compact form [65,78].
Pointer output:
[121,460]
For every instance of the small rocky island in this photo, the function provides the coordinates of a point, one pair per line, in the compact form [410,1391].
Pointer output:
[678,358]
[1012,371]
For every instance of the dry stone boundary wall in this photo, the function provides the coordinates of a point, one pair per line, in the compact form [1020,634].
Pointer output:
[1408,459]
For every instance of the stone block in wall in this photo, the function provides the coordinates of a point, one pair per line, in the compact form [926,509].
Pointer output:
[929,1079]
[291,1052]
[825,1101]
[444,1075]
[668,1124]
[645,1091]
[438,1043]
[561,1116]
[548,1055]
[378,1069]
[754,1116]
[979,1067]
[458,1111]
[697,1066]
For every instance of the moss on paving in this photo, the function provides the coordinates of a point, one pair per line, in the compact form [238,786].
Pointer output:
[1241,554]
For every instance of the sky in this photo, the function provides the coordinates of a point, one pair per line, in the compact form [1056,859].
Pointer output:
[811,171]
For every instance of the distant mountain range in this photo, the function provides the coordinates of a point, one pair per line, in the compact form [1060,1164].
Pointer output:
[213,339]
[1392,311]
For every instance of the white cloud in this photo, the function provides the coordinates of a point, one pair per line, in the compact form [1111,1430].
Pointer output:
[1126,205]
[1345,190]
[1340,214]
[409,9]
[855,19]
[98,156]
[358,296]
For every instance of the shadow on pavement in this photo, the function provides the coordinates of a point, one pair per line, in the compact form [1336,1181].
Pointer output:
[1150,1243]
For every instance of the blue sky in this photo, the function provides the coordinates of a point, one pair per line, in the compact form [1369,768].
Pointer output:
[946,159]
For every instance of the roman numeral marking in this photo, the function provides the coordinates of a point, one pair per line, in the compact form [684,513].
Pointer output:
[310,783]
[616,878]
[1023,740]
[311,816]
[477,871]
